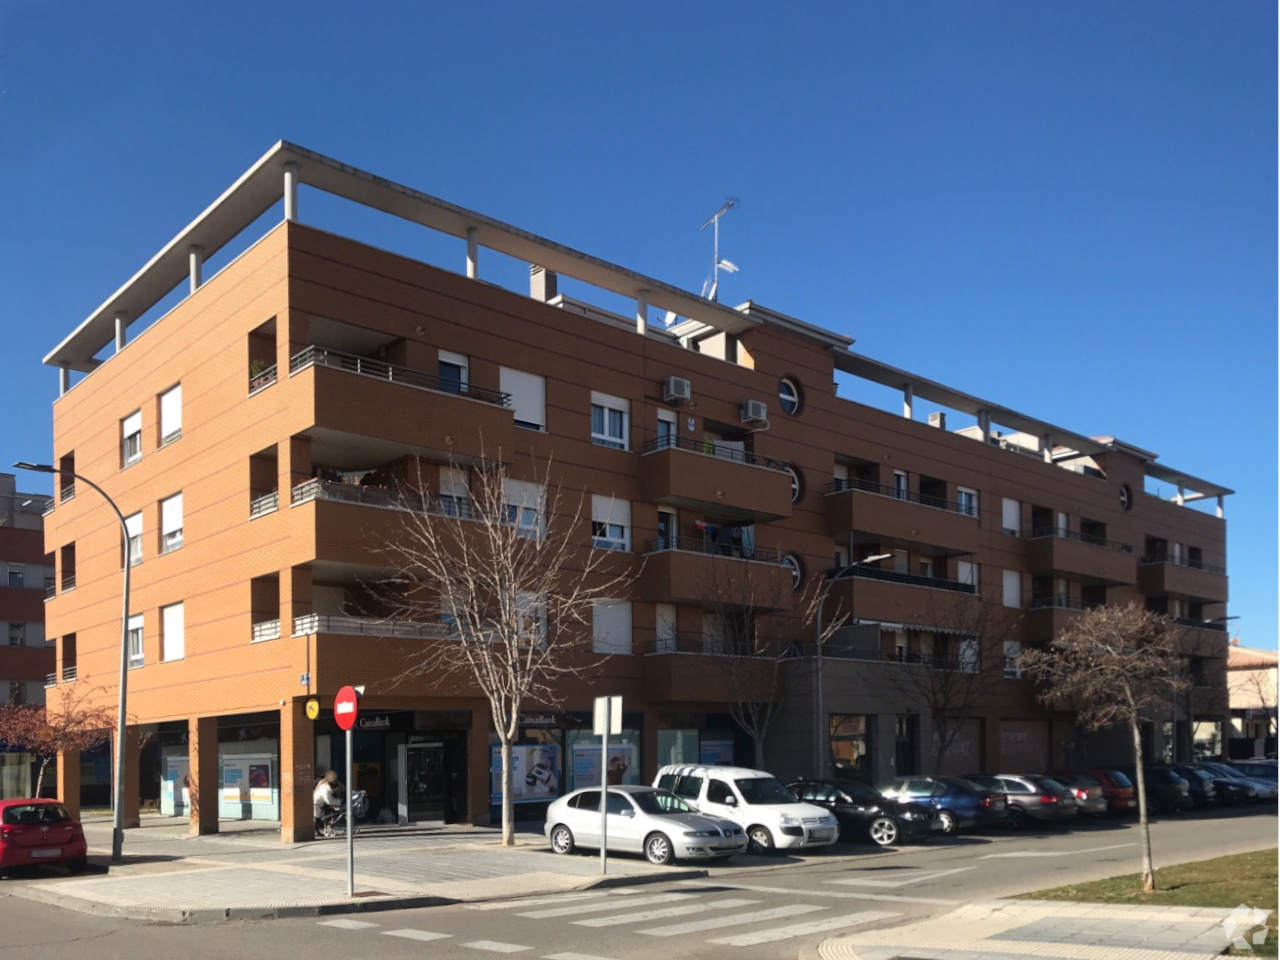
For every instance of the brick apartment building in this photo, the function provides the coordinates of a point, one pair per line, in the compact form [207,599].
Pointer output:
[236,428]
[26,660]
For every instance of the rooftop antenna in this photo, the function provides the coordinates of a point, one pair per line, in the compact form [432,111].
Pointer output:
[711,285]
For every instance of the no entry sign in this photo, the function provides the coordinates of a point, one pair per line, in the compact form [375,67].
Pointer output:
[346,707]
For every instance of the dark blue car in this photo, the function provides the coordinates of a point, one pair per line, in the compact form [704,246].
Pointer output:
[961,805]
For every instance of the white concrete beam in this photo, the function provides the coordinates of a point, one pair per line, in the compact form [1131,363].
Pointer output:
[1046,445]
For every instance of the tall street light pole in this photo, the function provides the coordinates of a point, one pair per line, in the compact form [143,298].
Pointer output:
[819,741]
[117,820]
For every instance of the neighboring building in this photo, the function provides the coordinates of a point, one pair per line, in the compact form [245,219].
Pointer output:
[26,660]
[235,430]
[1251,686]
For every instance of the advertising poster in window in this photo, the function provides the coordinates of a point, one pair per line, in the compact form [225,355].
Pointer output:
[716,753]
[535,772]
[259,783]
[246,779]
[623,766]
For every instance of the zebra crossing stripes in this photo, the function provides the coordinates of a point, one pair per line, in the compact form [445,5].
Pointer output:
[803,929]
[663,913]
[347,924]
[597,906]
[716,923]
[423,935]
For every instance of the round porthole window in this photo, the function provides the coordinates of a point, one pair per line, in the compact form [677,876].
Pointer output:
[789,396]
[795,568]
[797,484]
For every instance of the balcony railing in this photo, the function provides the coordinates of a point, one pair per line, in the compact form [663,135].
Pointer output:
[263,379]
[68,492]
[894,493]
[910,579]
[50,589]
[69,674]
[49,506]
[1215,625]
[407,500]
[50,680]
[68,583]
[734,551]
[710,448]
[266,630]
[264,503]
[1057,602]
[377,369]
[1183,562]
[367,627]
[698,644]
[1039,532]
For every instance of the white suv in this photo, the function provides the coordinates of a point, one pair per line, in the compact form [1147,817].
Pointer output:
[769,812]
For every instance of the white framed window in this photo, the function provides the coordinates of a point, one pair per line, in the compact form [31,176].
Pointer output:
[901,561]
[455,494]
[531,612]
[17,576]
[900,647]
[665,629]
[666,429]
[611,626]
[171,523]
[1011,516]
[1012,588]
[610,523]
[173,636]
[899,484]
[967,501]
[523,507]
[454,371]
[135,641]
[969,659]
[797,485]
[926,566]
[789,396]
[171,414]
[131,439]
[133,545]
[610,421]
[528,397]
[967,572]
[793,566]
[1012,659]
[840,477]
[17,634]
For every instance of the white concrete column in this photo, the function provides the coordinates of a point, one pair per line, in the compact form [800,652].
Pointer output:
[642,312]
[473,254]
[1222,506]
[908,400]
[291,192]
[1181,498]
[122,324]
[1046,445]
[64,378]
[196,257]
[984,425]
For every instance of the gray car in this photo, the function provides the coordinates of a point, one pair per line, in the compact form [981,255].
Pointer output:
[1032,799]
[644,820]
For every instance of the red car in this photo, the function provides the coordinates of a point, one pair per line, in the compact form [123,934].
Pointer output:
[40,831]
[1121,794]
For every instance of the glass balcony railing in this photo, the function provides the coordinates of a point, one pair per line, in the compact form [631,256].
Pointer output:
[711,448]
[378,370]
[1183,562]
[910,579]
[382,497]
[1039,532]
[967,509]
[734,551]
[314,623]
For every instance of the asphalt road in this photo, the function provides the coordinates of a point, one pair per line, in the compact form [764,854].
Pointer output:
[740,910]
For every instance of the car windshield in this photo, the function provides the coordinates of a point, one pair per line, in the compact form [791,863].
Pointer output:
[1049,786]
[36,814]
[764,790]
[1085,780]
[660,803]
[1120,780]
[1189,772]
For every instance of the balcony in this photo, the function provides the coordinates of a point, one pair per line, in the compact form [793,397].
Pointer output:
[50,589]
[869,593]
[266,630]
[1082,557]
[68,584]
[69,674]
[1163,574]
[365,398]
[381,498]
[1049,615]
[68,492]
[262,379]
[313,624]
[49,507]
[905,517]
[695,668]
[263,503]
[691,570]
[724,482]
[50,680]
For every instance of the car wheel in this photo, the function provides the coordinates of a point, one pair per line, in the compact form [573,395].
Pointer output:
[658,849]
[562,839]
[948,821]
[759,840]
[883,831]
[1018,819]
[79,865]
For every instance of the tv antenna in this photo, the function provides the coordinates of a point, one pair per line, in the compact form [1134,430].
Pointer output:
[712,284]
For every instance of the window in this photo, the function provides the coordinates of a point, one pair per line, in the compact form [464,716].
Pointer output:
[455,495]
[173,643]
[17,577]
[719,792]
[611,626]
[666,429]
[1012,584]
[171,415]
[789,396]
[792,564]
[528,397]
[135,641]
[901,561]
[1010,516]
[797,484]
[967,501]
[665,630]
[967,572]
[840,477]
[968,660]
[1012,659]
[131,439]
[453,372]
[926,566]
[171,523]
[609,421]
[899,484]
[133,546]
[17,634]
[523,507]
[531,616]
[668,526]
[610,523]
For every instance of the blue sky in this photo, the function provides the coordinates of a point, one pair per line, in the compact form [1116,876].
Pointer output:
[1068,208]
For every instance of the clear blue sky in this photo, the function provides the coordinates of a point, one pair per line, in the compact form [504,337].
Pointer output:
[1069,208]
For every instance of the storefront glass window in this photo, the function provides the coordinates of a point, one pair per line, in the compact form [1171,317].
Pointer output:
[851,746]
[678,746]
[583,758]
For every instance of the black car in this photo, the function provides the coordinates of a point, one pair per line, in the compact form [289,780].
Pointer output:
[1166,791]
[1227,790]
[1199,784]
[864,813]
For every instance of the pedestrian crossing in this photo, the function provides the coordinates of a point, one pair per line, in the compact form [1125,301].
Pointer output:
[716,917]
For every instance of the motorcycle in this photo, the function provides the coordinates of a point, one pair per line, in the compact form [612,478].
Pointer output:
[333,822]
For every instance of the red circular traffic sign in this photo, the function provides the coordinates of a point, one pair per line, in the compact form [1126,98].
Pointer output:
[346,706]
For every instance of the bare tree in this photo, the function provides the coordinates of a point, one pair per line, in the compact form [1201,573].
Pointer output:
[512,575]
[71,726]
[1114,665]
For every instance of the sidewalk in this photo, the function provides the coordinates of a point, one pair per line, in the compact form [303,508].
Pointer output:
[246,872]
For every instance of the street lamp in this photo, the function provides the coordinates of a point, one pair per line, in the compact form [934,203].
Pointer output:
[819,741]
[117,820]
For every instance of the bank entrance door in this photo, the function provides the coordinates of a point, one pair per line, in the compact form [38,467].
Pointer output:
[425,780]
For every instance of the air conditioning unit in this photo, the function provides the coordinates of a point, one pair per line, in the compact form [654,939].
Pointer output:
[676,390]
[755,411]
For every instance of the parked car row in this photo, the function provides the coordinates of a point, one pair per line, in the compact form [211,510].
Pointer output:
[695,811]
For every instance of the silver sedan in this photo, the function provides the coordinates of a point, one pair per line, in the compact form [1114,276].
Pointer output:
[641,820]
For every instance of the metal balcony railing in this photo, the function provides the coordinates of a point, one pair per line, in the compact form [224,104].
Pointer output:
[1040,532]
[710,448]
[734,551]
[313,623]
[910,579]
[1183,562]
[1059,602]
[266,630]
[68,492]
[263,503]
[68,583]
[50,680]
[1215,625]
[895,493]
[322,357]
[49,506]
[382,498]
[260,381]
[69,674]
[50,589]
[698,644]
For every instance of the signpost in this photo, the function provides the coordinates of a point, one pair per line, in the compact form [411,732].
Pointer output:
[346,708]
[608,720]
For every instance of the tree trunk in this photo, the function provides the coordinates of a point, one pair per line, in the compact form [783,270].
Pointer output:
[1144,826]
[758,741]
[44,764]
[508,805]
